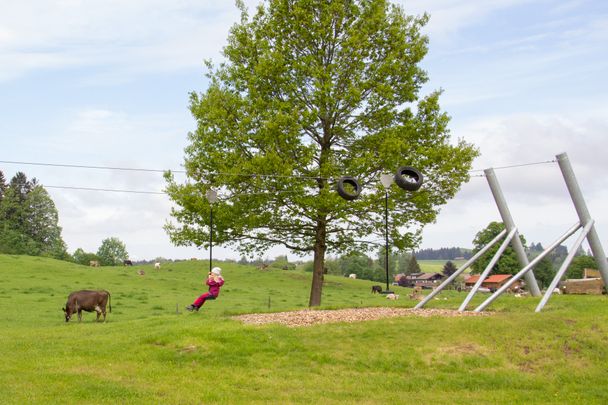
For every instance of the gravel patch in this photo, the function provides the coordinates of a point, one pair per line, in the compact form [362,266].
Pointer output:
[312,317]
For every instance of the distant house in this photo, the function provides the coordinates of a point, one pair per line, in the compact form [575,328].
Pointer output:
[419,279]
[591,283]
[583,286]
[493,282]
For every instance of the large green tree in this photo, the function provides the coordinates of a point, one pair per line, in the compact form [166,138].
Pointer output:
[112,252]
[507,264]
[29,220]
[312,90]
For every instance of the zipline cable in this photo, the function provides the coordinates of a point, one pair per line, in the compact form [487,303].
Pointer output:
[73,166]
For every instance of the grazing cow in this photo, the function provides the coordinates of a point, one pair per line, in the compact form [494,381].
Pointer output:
[392,296]
[376,289]
[352,275]
[94,263]
[127,262]
[87,300]
[157,266]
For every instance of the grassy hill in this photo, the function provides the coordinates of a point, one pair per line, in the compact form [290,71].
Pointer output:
[147,353]
[436,266]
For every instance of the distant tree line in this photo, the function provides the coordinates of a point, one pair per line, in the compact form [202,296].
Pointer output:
[365,267]
[29,225]
[29,219]
[445,253]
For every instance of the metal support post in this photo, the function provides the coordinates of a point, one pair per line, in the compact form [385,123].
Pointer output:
[387,291]
[583,214]
[487,270]
[211,240]
[518,247]
[523,271]
[564,265]
[462,268]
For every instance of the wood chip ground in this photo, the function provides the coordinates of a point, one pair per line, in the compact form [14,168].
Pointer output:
[312,317]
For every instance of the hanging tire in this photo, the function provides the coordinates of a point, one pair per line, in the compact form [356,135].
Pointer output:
[408,178]
[348,195]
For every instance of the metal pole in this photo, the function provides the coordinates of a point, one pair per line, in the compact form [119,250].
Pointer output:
[564,266]
[507,219]
[461,269]
[487,270]
[584,216]
[386,236]
[211,241]
[523,271]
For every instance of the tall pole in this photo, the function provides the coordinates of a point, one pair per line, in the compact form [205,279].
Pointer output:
[583,214]
[507,219]
[386,236]
[211,240]
[212,198]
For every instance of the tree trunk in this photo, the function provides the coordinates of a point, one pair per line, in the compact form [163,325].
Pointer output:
[318,266]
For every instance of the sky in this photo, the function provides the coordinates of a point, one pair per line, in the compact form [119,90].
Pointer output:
[107,84]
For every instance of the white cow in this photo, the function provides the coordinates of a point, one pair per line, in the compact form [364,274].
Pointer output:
[392,296]
[353,275]
[157,266]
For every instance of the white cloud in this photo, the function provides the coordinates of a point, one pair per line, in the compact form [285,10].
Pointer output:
[132,36]
[448,17]
[536,195]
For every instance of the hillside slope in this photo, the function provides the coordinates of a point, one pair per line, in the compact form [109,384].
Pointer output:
[147,353]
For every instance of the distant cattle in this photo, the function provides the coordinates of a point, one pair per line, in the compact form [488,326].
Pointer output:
[157,266]
[127,262]
[87,300]
[352,275]
[392,296]
[376,289]
[94,263]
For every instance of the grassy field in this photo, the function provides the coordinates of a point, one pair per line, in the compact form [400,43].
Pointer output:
[148,353]
[436,266]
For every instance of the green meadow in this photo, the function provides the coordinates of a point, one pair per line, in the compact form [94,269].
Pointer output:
[151,351]
[436,266]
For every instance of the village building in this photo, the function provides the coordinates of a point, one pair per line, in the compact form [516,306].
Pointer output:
[493,282]
[424,280]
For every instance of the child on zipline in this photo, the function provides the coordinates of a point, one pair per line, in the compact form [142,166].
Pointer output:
[214,281]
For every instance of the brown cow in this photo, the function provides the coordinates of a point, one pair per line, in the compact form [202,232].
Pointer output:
[87,300]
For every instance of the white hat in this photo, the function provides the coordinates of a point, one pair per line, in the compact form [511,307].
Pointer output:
[217,271]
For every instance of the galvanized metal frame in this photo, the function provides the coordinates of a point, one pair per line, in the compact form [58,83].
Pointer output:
[588,231]
[461,269]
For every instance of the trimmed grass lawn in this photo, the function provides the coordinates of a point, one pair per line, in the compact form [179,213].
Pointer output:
[148,352]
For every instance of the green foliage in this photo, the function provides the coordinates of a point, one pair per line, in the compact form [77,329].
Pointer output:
[413,266]
[112,252]
[281,262]
[578,264]
[544,273]
[29,220]
[311,91]
[84,258]
[361,265]
[507,264]
[448,269]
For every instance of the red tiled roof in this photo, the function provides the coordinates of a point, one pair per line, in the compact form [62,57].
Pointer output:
[495,278]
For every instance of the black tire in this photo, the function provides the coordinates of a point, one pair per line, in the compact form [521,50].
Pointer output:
[345,194]
[408,178]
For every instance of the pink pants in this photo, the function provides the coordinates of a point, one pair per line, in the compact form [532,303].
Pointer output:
[201,300]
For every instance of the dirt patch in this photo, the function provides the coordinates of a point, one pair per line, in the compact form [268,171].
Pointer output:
[312,317]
